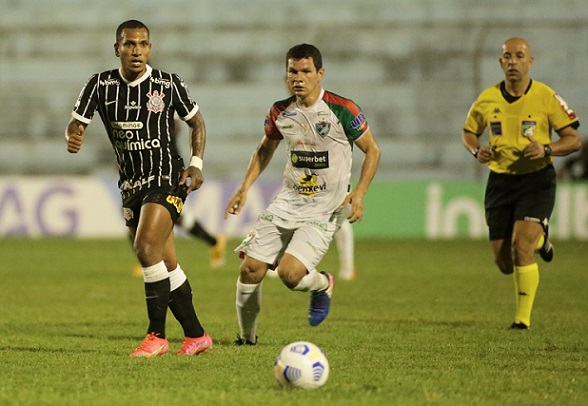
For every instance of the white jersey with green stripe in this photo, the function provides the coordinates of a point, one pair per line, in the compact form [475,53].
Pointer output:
[319,142]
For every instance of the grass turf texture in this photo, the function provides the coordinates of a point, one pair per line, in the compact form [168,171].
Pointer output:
[424,323]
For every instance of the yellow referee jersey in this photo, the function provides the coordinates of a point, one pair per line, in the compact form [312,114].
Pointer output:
[511,125]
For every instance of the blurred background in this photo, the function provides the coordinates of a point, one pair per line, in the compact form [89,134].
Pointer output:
[414,66]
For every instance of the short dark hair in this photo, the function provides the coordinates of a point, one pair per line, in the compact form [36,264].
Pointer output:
[129,24]
[305,51]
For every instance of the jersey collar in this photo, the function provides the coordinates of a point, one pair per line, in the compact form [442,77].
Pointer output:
[148,70]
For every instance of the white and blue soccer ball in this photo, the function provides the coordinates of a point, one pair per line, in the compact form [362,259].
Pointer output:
[302,365]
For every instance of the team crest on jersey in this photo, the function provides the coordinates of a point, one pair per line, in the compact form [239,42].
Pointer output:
[528,128]
[323,128]
[155,102]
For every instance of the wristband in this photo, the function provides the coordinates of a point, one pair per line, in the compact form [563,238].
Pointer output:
[196,162]
[547,149]
[475,152]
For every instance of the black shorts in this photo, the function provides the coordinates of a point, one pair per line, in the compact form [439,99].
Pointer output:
[518,197]
[171,198]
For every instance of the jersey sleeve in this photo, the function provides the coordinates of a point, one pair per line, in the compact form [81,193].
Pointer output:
[349,114]
[183,103]
[475,122]
[560,114]
[270,129]
[87,102]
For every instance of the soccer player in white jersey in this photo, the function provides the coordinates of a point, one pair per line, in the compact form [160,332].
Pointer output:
[294,232]
[137,105]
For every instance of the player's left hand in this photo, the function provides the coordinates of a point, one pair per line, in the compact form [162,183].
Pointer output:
[355,199]
[534,150]
[195,176]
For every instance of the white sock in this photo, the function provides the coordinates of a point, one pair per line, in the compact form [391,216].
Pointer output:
[177,277]
[248,304]
[155,273]
[313,281]
[345,247]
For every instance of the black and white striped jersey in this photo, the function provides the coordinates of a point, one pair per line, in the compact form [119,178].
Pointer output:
[139,119]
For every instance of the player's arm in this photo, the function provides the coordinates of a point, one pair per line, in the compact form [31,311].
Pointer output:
[368,145]
[259,160]
[471,142]
[74,135]
[197,144]
[569,142]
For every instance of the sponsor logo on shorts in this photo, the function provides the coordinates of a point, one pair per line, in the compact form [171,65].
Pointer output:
[127,214]
[176,202]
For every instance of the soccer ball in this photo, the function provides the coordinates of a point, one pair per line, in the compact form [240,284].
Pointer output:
[302,365]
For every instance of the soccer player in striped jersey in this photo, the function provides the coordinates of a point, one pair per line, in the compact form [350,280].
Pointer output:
[137,105]
[294,232]
[520,194]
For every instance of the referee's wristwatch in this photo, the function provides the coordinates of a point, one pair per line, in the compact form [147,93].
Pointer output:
[547,149]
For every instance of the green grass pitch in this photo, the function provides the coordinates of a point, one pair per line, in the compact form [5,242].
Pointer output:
[424,323]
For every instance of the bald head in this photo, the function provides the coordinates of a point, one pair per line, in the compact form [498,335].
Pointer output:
[516,60]
[516,43]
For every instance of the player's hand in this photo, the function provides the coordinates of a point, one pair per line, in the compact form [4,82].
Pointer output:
[355,199]
[75,139]
[235,203]
[534,150]
[195,176]
[485,154]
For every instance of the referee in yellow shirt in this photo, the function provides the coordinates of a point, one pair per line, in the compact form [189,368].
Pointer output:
[520,194]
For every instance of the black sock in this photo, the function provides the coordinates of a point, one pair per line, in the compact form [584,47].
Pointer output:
[199,232]
[180,303]
[157,296]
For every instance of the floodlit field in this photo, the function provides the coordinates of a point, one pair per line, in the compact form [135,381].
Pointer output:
[425,323]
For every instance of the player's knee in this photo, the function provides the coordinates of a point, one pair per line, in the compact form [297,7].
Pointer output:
[289,277]
[146,252]
[250,274]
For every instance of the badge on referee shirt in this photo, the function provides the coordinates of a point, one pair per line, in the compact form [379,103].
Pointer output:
[529,128]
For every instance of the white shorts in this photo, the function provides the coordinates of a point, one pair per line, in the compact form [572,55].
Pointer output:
[273,236]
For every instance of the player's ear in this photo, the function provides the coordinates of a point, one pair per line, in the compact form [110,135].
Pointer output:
[116,52]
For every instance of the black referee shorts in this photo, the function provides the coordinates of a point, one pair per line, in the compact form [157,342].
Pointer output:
[518,197]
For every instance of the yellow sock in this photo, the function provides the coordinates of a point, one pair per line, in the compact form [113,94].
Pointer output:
[541,241]
[526,282]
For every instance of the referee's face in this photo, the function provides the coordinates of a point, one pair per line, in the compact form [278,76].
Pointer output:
[133,48]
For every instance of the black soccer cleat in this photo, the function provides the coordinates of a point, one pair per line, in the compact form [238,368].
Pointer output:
[546,251]
[518,326]
[241,341]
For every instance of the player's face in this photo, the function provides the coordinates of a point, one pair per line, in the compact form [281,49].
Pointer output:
[516,60]
[304,80]
[133,49]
